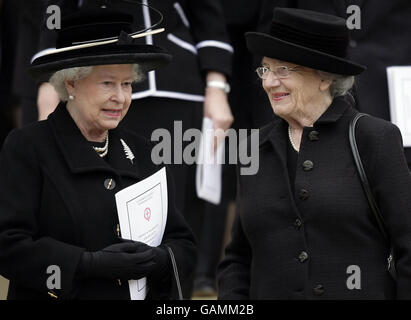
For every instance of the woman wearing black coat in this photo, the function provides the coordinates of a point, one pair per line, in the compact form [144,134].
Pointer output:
[57,204]
[304,228]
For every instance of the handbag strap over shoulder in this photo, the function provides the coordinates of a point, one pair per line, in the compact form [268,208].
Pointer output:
[364,180]
[370,197]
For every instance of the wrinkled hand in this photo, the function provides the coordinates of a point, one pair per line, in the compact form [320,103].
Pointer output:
[127,260]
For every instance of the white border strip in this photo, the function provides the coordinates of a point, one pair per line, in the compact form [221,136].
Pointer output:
[182,43]
[143,94]
[181,13]
[168,94]
[147,21]
[149,40]
[215,43]
[178,95]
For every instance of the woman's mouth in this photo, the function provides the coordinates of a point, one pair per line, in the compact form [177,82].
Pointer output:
[112,112]
[278,96]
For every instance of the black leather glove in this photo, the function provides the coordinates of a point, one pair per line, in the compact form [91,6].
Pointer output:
[161,260]
[126,260]
[162,264]
[161,267]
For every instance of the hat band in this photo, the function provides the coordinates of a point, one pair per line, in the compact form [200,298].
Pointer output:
[97,31]
[336,46]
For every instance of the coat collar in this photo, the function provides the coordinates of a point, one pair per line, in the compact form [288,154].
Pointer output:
[80,156]
[277,128]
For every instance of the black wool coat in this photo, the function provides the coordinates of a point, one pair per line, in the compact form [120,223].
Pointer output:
[54,205]
[304,245]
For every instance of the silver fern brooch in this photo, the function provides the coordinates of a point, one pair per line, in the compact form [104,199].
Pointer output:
[127,151]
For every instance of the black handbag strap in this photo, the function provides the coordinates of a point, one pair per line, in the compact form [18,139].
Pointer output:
[364,180]
[175,272]
[370,197]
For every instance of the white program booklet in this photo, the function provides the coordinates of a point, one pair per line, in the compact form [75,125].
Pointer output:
[142,213]
[399,88]
[209,165]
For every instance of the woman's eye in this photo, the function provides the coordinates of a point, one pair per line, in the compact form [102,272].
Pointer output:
[127,84]
[107,83]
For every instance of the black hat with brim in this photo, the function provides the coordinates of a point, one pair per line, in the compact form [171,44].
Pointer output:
[307,38]
[101,24]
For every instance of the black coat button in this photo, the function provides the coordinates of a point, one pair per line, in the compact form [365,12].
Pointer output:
[308,165]
[303,256]
[109,184]
[313,135]
[303,194]
[298,223]
[318,290]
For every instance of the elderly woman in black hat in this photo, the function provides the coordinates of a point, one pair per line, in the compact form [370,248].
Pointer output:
[304,228]
[60,176]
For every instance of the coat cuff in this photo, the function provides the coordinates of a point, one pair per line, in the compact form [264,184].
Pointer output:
[215,56]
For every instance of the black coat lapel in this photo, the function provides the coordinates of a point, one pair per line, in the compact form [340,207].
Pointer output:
[81,157]
[276,138]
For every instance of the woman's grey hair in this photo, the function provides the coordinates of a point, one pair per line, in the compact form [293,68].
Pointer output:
[57,79]
[341,85]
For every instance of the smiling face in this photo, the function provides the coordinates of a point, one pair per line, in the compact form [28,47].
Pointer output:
[101,99]
[299,94]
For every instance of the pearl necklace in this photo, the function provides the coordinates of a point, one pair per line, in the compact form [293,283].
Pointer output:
[291,139]
[102,151]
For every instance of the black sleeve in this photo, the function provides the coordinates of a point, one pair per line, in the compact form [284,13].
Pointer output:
[178,236]
[382,154]
[25,254]
[391,182]
[209,30]
[180,239]
[234,270]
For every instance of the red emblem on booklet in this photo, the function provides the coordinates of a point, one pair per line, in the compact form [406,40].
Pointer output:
[147,214]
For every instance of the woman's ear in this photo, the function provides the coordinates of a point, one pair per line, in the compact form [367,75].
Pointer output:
[70,87]
[325,84]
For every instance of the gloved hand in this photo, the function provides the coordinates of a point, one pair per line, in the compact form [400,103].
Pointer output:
[161,260]
[126,260]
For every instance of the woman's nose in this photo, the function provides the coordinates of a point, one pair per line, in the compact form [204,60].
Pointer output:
[272,80]
[119,95]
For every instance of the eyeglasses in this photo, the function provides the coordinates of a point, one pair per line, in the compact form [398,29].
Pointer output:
[280,72]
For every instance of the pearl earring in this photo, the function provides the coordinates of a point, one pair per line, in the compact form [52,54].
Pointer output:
[71,97]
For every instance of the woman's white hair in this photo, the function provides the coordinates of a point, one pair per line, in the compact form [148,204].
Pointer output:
[57,79]
[341,85]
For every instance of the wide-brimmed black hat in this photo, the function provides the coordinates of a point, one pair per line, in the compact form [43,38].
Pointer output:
[306,38]
[98,36]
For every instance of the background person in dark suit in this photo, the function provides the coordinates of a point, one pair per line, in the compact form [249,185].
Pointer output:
[303,220]
[61,175]
[8,47]
[30,15]
[240,16]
